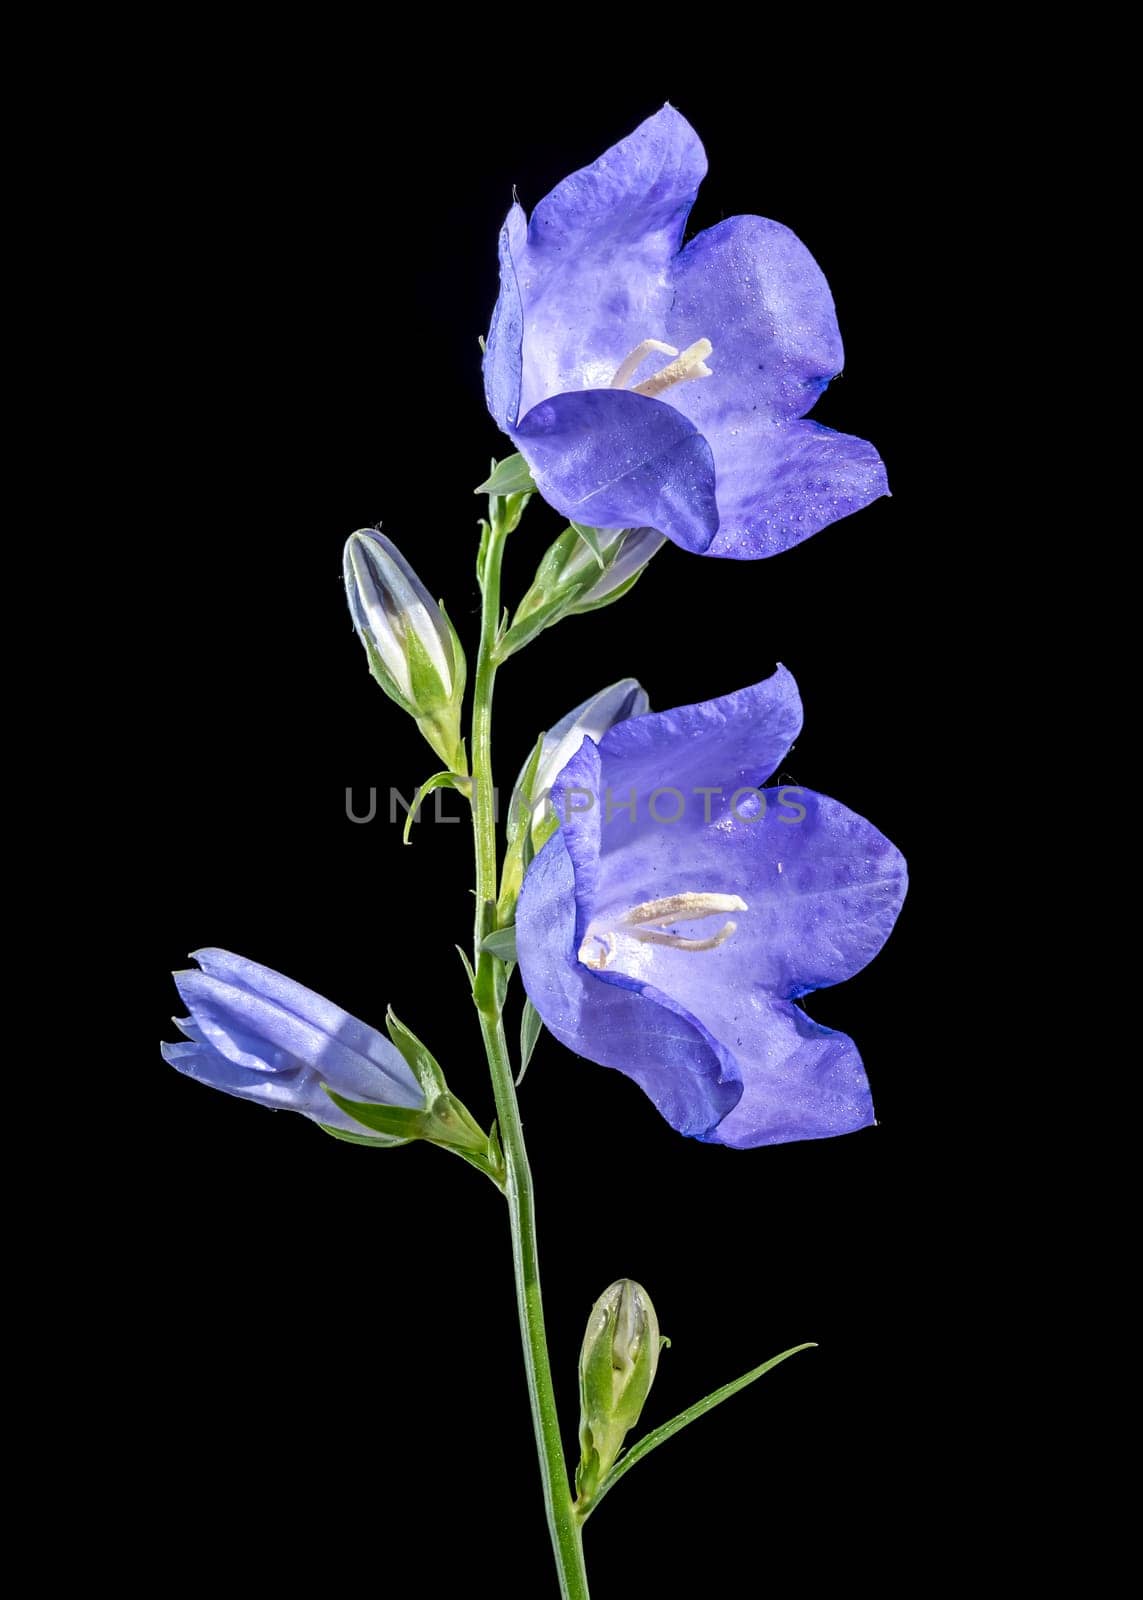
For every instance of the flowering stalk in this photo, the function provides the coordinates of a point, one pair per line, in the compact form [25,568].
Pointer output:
[488,992]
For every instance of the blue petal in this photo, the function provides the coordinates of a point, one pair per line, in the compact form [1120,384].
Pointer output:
[504,350]
[237,1002]
[611,458]
[299,1090]
[724,744]
[752,288]
[688,1076]
[800,1081]
[823,889]
[777,485]
[586,280]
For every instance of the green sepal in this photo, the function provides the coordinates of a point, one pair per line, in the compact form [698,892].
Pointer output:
[543,831]
[520,806]
[444,1121]
[531,1027]
[377,1143]
[425,1067]
[510,476]
[524,629]
[520,850]
[439,780]
[401,1122]
[590,537]
[583,608]
[382,675]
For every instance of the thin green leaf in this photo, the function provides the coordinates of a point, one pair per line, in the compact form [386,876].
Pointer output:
[590,537]
[510,476]
[501,944]
[439,780]
[467,966]
[530,1029]
[659,1436]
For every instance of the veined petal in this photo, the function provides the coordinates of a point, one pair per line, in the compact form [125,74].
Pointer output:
[800,1081]
[299,1090]
[822,890]
[752,288]
[777,485]
[591,273]
[610,458]
[233,1000]
[691,1079]
[721,745]
[503,352]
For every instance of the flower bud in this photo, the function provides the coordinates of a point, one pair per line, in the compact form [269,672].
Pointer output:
[413,649]
[634,550]
[617,1367]
[585,568]
[591,720]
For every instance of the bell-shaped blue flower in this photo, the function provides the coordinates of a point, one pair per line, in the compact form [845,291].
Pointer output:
[682,908]
[653,386]
[258,1035]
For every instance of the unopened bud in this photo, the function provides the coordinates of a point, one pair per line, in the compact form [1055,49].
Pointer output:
[412,647]
[617,1367]
[635,549]
[584,568]
[591,720]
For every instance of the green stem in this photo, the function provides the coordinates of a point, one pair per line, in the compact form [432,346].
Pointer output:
[567,1542]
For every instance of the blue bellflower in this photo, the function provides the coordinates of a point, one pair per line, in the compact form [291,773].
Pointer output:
[670,924]
[653,386]
[258,1035]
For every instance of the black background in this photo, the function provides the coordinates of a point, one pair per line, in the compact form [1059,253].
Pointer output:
[328,1333]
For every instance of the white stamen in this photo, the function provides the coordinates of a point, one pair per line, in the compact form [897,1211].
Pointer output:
[685,907]
[691,364]
[626,369]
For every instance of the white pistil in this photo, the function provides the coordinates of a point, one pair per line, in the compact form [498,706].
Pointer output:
[690,364]
[644,924]
[597,959]
[676,942]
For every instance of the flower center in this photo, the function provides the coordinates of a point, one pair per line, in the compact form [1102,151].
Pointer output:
[690,364]
[647,924]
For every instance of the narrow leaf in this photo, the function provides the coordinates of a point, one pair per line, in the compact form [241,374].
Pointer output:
[530,1029]
[510,476]
[659,1435]
[501,944]
[439,780]
[467,966]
